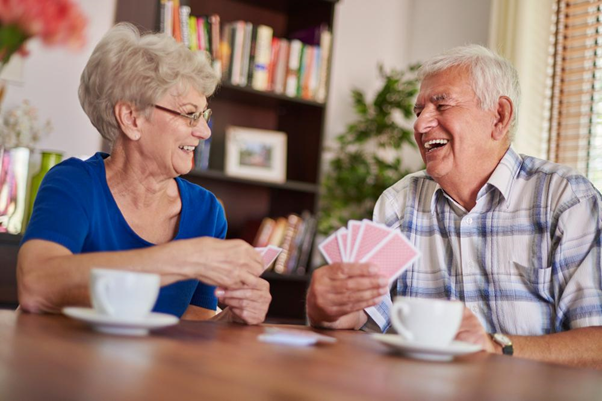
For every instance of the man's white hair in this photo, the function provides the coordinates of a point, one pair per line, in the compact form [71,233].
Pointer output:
[140,69]
[492,76]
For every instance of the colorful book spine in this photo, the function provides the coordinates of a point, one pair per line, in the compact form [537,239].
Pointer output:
[325,44]
[200,30]
[237,52]
[252,54]
[306,248]
[264,233]
[273,62]
[169,17]
[162,16]
[214,22]
[302,70]
[246,54]
[184,25]
[281,67]
[262,57]
[307,73]
[207,35]
[177,34]
[315,73]
[192,33]
[293,67]
[292,227]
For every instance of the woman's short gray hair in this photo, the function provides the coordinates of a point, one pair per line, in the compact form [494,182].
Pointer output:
[492,75]
[140,69]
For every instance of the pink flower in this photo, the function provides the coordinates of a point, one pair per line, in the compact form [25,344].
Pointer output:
[56,22]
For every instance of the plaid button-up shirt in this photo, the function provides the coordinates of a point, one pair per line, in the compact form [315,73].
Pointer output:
[526,259]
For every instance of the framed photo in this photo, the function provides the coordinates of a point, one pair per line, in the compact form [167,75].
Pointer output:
[256,154]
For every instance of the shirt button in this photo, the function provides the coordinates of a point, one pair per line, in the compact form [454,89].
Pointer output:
[474,309]
[469,220]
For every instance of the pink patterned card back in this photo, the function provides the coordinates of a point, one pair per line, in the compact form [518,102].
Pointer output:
[353,230]
[393,255]
[330,249]
[342,239]
[370,236]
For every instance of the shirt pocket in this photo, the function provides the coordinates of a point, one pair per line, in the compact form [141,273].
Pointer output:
[535,281]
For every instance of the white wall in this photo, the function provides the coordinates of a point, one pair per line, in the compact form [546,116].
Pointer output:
[398,33]
[438,25]
[51,78]
[365,33]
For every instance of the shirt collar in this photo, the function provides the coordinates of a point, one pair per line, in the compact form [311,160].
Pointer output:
[505,173]
[502,178]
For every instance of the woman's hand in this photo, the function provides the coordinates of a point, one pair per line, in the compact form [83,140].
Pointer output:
[229,264]
[248,304]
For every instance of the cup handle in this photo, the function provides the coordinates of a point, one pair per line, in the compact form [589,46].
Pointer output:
[400,309]
[101,287]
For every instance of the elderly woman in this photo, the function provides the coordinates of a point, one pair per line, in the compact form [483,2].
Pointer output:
[147,96]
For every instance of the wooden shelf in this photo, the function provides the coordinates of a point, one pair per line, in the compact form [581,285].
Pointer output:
[289,185]
[282,5]
[10,238]
[226,90]
[273,276]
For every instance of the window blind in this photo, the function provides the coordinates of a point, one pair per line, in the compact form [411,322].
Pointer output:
[575,137]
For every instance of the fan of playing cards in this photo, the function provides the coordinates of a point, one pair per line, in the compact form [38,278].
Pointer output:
[370,242]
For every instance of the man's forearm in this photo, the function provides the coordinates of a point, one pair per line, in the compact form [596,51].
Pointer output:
[353,320]
[580,347]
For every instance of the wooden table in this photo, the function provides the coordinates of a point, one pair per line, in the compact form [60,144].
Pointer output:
[53,357]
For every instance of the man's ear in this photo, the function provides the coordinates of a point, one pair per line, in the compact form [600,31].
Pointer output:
[129,120]
[504,113]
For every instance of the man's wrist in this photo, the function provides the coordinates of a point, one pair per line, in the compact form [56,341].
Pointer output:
[502,343]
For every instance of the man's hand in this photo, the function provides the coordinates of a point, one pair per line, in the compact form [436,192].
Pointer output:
[339,292]
[472,331]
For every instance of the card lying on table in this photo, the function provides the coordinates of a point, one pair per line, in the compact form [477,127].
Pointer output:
[293,337]
[371,242]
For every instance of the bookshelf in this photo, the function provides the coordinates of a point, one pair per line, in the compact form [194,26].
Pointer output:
[248,201]
[9,248]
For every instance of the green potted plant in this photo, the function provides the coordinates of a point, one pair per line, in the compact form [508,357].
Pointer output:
[367,157]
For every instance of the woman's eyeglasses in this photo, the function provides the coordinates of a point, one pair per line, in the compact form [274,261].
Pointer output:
[193,118]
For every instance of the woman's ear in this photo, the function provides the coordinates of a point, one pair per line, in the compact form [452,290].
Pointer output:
[129,120]
[503,122]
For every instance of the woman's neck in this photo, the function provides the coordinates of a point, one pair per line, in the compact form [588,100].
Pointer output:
[129,176]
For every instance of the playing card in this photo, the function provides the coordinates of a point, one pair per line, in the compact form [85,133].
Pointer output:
[268,254]
[370,235]
[330,249]
[342,239]
[393,255]
[293,337]
[353,230]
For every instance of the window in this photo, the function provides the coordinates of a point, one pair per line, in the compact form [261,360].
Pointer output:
[576,97]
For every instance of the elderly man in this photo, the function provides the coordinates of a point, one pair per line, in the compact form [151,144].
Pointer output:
[517,239]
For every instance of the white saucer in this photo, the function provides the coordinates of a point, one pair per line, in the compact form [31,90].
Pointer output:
[120,326]
[427,352]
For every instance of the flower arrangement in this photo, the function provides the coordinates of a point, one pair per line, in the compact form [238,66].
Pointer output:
[19,127]
[54,21]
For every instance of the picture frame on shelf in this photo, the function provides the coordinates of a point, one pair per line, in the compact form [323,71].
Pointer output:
[256,154]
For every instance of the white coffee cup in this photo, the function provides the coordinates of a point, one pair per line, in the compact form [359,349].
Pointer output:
[431,322]
[123,294]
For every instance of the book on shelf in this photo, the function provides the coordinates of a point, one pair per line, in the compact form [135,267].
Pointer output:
[249,55]
[202,151]
[294,234]
[201,154]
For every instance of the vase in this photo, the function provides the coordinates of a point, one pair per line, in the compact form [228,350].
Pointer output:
[14,163]
[49,159]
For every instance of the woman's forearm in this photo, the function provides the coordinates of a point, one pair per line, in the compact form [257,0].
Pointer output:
[50,277]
